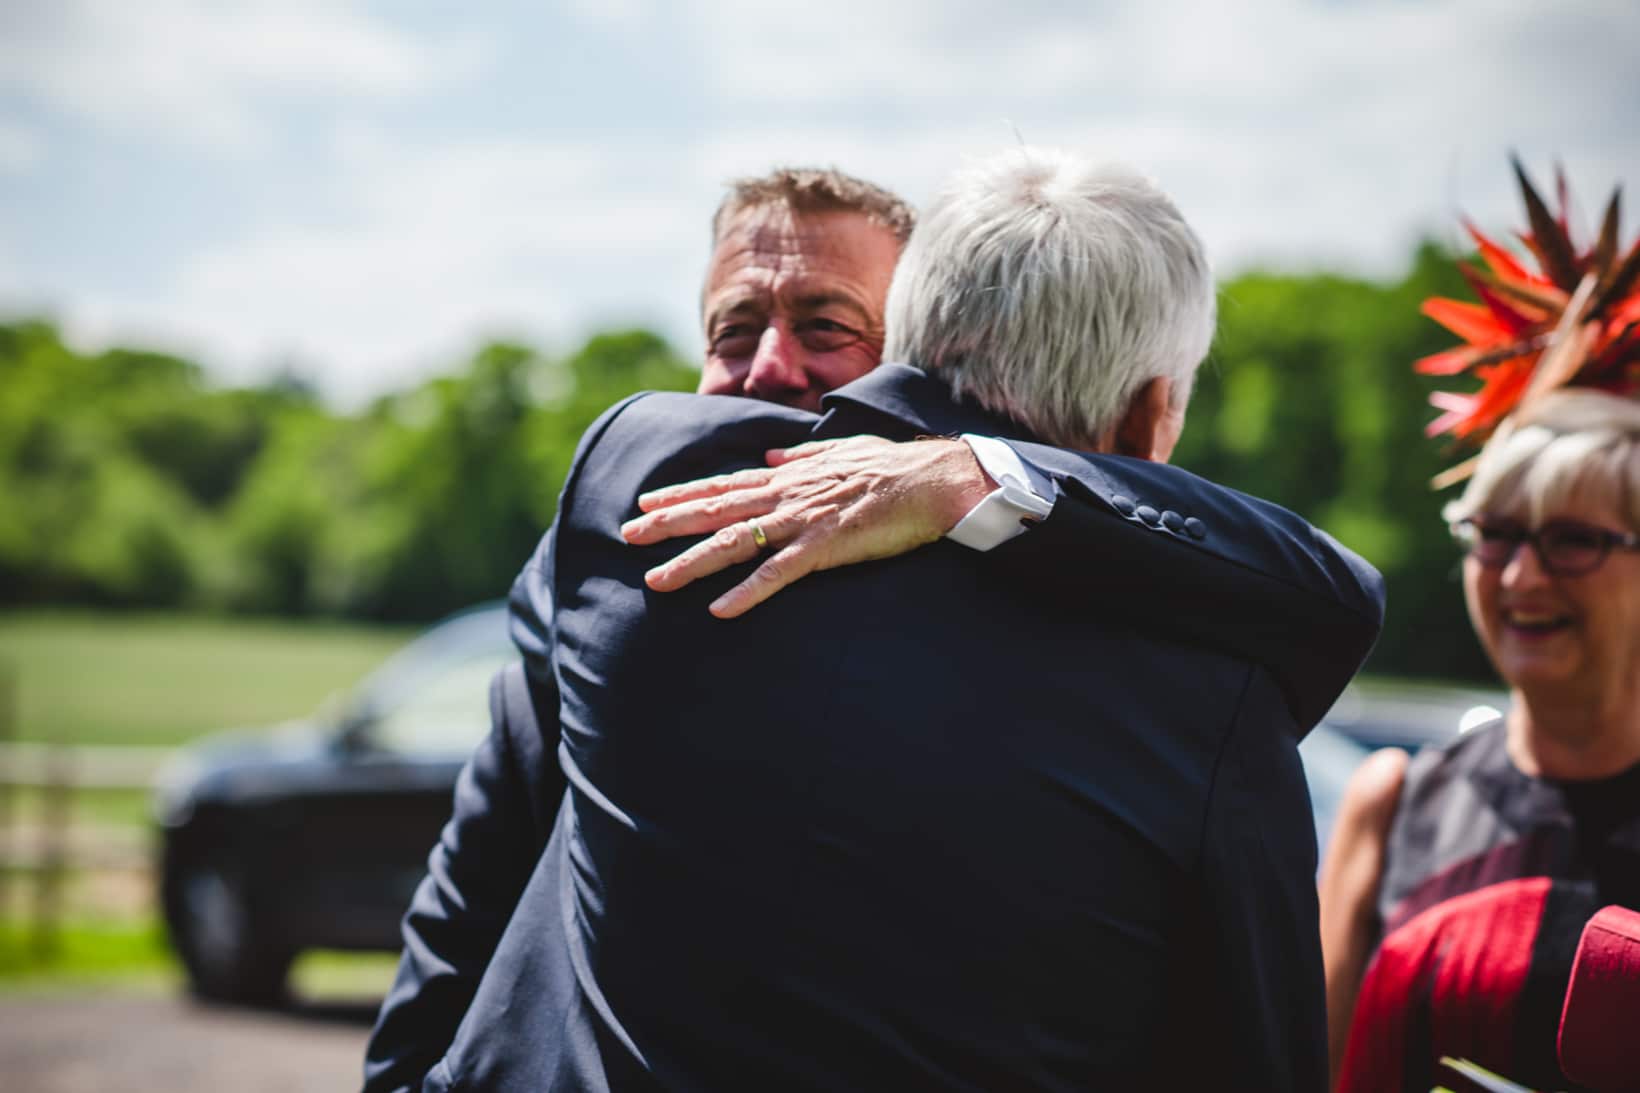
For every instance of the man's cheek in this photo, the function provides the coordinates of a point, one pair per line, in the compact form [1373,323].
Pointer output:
[718,378]
[851,364]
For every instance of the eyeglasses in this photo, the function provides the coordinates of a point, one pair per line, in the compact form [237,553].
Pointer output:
[1565,548]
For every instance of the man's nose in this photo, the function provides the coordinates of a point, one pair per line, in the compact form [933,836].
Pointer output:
[777,369]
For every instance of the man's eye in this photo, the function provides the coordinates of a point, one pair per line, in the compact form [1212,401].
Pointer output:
[825,335]
[735,340]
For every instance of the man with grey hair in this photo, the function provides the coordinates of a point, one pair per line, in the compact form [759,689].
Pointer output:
[918,824]
[1088,276]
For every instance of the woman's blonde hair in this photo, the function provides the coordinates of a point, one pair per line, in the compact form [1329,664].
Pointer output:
[1570,444]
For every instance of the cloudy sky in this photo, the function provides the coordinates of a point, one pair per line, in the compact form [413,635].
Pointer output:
[362,191]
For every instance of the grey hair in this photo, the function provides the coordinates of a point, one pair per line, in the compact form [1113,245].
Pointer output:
[1050,288]
[1570,444]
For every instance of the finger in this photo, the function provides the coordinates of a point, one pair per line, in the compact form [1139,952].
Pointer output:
[730,546]
[698,517]
[750,478]
[778,570]
[778,457]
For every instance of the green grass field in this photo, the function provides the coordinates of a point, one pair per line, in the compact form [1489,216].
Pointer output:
[86,952]
[132,953]
[99,807]
[160,680]
[91,678]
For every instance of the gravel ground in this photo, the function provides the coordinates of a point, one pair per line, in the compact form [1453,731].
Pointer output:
[80,1043]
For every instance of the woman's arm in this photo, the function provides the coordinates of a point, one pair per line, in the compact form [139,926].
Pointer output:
[1350,875]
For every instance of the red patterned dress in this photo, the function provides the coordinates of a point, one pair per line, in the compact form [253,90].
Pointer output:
[1489,878]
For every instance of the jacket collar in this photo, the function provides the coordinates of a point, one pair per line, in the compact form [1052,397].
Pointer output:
[915,402]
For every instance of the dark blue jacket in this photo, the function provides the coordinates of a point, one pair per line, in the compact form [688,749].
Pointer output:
[1026,819]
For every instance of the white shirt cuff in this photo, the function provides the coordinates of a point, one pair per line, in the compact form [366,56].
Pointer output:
[1007,510]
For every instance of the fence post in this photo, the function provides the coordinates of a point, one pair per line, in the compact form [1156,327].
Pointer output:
[56,813]
[8,733]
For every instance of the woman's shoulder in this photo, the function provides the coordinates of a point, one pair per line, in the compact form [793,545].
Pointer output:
[1355,853]
[1373,792]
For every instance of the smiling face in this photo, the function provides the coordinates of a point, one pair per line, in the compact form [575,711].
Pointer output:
[1562,639]
[793,304]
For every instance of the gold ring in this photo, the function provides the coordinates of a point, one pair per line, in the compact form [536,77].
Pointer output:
[758,537]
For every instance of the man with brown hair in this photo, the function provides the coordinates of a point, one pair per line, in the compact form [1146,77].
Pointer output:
[792,307]
[793,301]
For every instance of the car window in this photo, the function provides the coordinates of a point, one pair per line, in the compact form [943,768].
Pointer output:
[445,710]
[1391,713]
[432,697]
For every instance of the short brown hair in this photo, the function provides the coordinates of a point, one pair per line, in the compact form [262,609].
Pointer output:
[815,190]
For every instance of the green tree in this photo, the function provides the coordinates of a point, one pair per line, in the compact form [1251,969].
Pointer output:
[88,518]
[1309,399]
[434,497]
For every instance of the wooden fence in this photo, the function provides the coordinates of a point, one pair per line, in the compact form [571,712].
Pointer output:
[38,851]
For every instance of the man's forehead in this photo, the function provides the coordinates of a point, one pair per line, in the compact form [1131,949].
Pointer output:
[803,293]
[773,232]
[809,257]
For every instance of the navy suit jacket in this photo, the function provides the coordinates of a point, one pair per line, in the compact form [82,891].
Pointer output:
[1025,819]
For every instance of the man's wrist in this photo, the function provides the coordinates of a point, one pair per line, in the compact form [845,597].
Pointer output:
[971,482]
[1005,510]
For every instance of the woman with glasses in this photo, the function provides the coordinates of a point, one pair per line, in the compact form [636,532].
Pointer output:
[1457,885]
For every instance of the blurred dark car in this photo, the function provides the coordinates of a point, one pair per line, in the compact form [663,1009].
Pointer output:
[1374,714]
[314,834]
[1381,713]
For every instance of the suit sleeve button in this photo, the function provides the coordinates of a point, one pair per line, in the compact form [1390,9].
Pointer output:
[1148,515]
[1122,504]
[1195,528]
[1172,521]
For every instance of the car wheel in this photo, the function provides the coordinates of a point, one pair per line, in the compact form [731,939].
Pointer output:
[216,934]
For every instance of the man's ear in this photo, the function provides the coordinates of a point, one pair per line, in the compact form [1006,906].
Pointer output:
[1152,424]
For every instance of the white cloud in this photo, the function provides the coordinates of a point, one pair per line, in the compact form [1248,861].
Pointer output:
[20,149]
[1292,132]
[1208,53]
[436,246]
[621,15]
[199,71]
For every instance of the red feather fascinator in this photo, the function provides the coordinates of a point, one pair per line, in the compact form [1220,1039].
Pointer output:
[1575,320]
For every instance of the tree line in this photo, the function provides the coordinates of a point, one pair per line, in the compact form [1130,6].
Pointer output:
[130,481]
